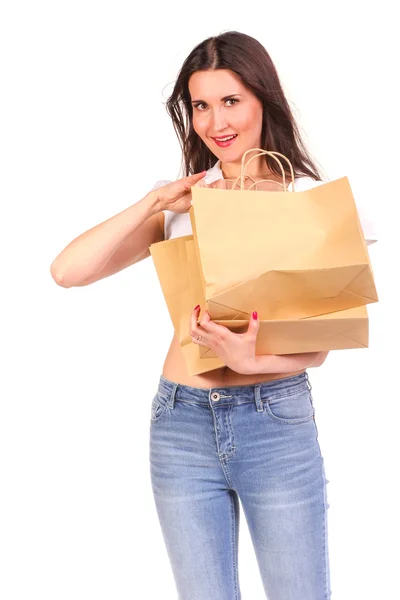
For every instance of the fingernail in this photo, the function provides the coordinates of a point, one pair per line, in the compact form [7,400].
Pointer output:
[255,315]
[197,307]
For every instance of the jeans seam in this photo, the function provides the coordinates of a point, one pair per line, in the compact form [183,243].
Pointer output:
[233,537]
[325,546]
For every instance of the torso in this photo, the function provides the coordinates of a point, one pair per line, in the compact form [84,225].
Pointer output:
[175,370]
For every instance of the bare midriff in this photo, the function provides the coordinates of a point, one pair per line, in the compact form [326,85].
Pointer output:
[175,370]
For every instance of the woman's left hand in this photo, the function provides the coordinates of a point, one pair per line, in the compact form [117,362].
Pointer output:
[236,350]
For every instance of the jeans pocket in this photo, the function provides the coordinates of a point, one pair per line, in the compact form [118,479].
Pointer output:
[158,407]
[292,408]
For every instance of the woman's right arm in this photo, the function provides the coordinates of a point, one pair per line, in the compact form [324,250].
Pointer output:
[122,240]
[111,246]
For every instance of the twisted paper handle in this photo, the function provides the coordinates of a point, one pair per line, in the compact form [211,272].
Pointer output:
[274,156]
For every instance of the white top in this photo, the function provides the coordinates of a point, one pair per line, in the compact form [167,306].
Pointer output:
[178,225]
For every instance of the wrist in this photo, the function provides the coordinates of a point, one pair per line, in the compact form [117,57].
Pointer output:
[286,363]
[153,203]
[260,364]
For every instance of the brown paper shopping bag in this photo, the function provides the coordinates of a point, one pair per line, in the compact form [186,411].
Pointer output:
[340,330]
[176,265]
[179,275]
[286,254]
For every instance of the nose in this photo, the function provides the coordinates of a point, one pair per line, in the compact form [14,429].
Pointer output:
[218,121]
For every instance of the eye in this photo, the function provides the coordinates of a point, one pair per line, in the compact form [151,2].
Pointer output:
[235,100]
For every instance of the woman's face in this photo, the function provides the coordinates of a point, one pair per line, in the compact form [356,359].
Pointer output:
[223,106]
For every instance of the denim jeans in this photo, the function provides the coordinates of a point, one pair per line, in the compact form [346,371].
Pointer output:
[210,448]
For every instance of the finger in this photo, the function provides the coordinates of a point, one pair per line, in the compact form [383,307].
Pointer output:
[195,330]
[200,342]
[219,184]
[208,325]
[182,187]
[254,325]
[191,180]
[201,183]
[197,176]
[193,321]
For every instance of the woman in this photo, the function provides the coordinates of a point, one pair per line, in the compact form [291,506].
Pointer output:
[246,431]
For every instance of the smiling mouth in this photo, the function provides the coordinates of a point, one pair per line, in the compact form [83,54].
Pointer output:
[226,138]
[224,143]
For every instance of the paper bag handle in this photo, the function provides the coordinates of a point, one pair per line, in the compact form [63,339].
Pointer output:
[274,156]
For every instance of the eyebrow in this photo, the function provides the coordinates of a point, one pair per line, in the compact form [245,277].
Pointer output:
[222,99]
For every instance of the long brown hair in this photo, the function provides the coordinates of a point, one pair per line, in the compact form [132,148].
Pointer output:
[246,57]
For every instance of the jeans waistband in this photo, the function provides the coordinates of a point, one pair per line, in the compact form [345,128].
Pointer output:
[235,394]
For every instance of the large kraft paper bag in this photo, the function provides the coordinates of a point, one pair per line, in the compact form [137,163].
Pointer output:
[180,278]
[176,266]
[286,254]
[340,330]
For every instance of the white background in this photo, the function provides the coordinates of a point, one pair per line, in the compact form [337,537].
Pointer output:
[85,134]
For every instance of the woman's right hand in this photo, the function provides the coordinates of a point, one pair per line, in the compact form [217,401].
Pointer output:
[176,196]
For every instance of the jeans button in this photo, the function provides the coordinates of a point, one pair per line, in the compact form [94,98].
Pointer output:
[215,396]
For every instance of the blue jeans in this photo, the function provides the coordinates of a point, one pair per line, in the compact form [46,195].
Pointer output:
[257,443]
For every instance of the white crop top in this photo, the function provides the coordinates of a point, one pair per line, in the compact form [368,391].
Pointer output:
[178,225]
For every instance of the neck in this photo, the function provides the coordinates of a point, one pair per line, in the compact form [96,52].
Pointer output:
[257,168]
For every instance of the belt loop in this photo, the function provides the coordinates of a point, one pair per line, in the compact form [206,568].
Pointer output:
[308,381]
[257,398]
[171,400]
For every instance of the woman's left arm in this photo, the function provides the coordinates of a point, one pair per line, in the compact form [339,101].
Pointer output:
[272,363]
[238,350]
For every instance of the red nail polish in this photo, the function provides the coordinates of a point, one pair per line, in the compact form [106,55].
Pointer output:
[255,315]
[197,307]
